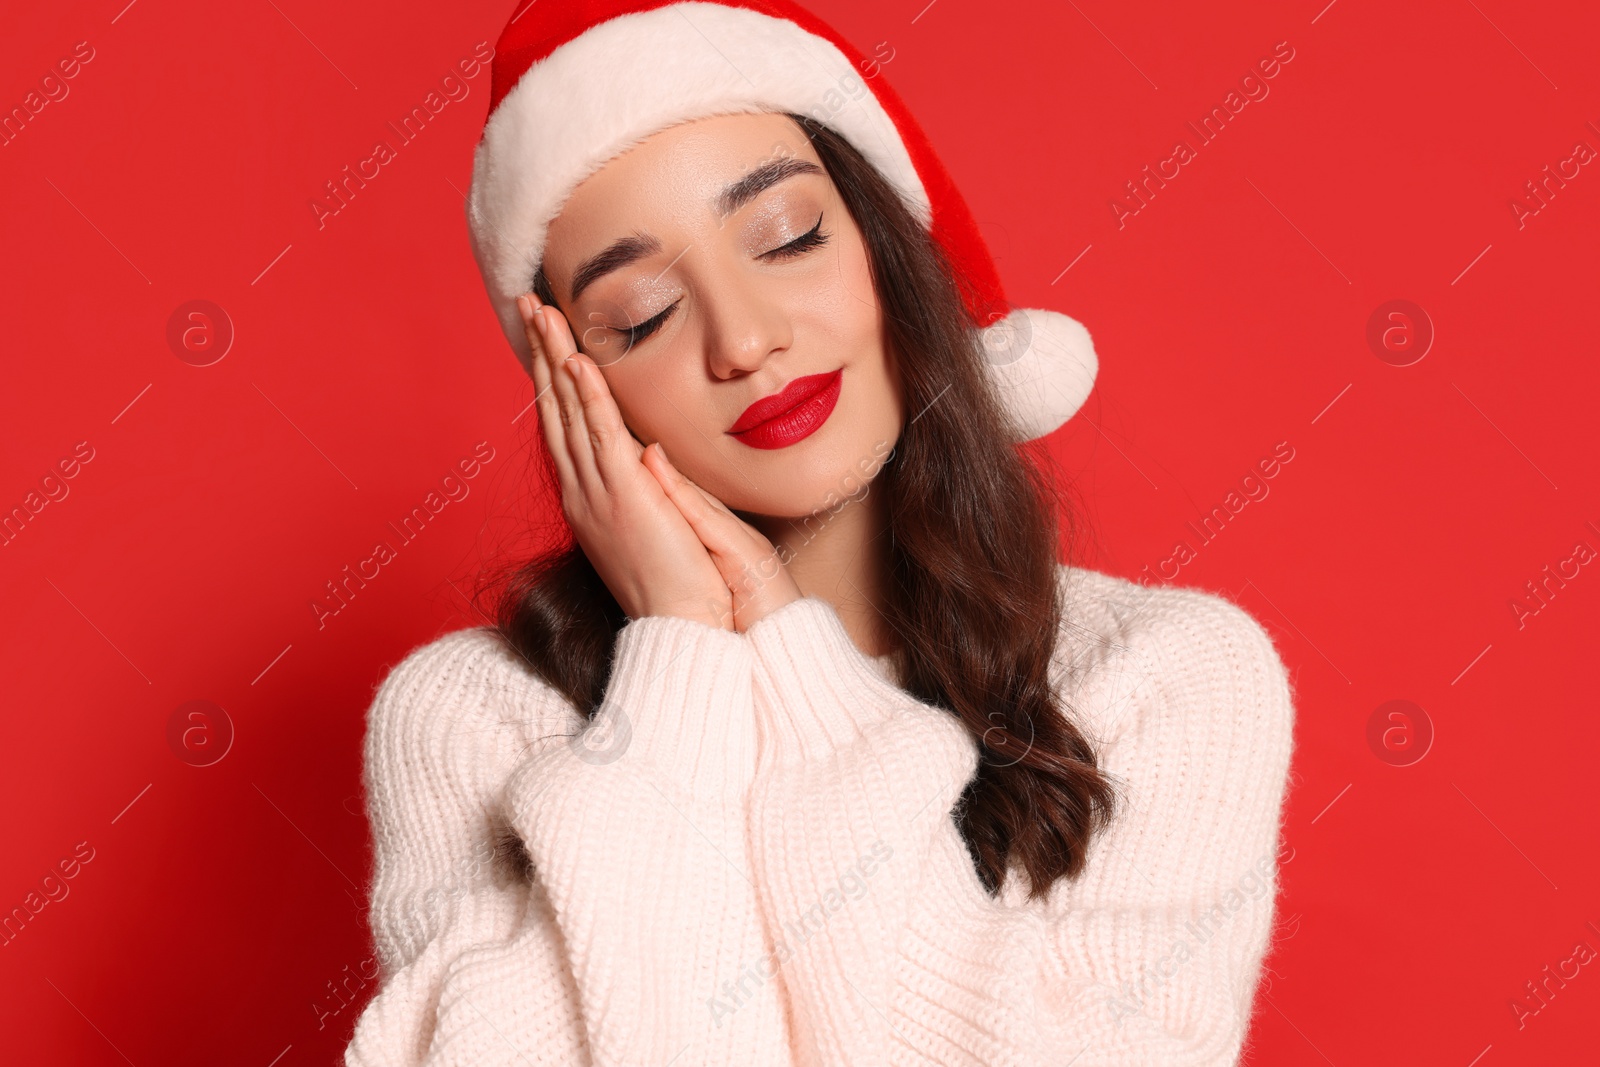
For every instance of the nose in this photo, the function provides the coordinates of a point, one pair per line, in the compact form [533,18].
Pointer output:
[746,323]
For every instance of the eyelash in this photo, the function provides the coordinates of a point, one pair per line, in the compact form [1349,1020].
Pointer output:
[811,239]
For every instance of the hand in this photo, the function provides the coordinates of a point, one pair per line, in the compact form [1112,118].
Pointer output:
[756,577]
[637,539]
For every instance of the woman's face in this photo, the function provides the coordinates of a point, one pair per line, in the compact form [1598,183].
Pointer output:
[740,271]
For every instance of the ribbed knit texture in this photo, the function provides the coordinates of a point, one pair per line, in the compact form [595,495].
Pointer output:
[751,858]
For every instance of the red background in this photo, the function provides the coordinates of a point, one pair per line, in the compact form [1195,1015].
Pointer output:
[1230,314]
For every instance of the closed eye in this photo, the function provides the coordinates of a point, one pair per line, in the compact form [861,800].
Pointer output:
[812,239]
[634,334]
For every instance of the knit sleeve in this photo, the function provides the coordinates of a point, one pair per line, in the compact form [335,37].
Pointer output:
[635,826]
[894,952]
[435,752]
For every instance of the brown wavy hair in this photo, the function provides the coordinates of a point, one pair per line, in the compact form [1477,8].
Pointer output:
[973,598]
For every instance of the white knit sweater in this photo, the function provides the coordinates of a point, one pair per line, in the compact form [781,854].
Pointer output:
[759,865]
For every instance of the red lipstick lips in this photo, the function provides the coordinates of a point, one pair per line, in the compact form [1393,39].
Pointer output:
[789,416]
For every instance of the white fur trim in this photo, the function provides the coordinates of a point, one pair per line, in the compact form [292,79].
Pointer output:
[621,81]
[1044,365]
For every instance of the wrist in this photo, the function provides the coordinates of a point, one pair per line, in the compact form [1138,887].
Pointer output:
[709,613]
[764,603]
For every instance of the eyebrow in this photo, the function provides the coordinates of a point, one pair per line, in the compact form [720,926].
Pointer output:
[637,246]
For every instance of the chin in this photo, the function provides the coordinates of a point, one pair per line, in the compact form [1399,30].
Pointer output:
[801,484]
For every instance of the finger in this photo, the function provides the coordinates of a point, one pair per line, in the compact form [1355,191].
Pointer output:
[714,502]
[723,509]
[616,452]
[544,397]
[679,477]
[681,492]
[745,559]
[558,346]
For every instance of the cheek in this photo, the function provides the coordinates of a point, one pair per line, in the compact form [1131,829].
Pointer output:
[628,392]
[858,322]
[854,279]
[841,304]
[657,407]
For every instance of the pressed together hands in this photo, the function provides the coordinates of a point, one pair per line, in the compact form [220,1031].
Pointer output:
[662,544]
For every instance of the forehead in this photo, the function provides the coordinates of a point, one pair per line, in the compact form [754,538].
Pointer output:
[673,175]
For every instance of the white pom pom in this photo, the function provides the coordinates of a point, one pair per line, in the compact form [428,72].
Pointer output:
[1043,364]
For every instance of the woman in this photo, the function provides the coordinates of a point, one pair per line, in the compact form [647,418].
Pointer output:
[806,750]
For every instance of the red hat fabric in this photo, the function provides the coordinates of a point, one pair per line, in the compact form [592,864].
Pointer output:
[575,83]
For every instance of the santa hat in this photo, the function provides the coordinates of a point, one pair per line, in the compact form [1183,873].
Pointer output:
[576,82]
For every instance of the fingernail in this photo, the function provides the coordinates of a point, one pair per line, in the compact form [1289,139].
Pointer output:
[538,322]
[571,363]
[524,311]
